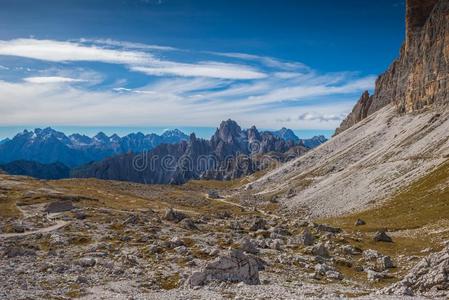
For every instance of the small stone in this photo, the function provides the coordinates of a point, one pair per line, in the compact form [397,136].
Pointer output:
[82,280]
[360,222]
[174,216]
[18,228]
[213,194]
[248,246]
[307,239]
[188,224]
[276,244]
[320,250]
[87,262]
[381,236]
[258,224]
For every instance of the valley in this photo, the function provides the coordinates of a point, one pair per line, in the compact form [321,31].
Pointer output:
[364,215]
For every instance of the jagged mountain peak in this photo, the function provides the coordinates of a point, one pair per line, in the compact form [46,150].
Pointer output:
[286,134]
[228,132]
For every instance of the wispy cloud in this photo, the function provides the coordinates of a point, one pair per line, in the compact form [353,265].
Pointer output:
[266,60]
[139,61]
[127,45]
[202,69]
[252,89]
[51,79]
[56,51]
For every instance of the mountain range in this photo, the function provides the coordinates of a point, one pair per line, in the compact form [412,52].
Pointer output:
[48,146]
[230,153]
[48,154]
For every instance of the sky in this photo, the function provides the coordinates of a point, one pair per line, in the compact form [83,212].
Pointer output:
[191,63]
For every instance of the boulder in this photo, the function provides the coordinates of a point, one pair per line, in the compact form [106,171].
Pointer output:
[236,267]
[59,206]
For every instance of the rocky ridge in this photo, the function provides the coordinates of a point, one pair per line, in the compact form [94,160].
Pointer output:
[419,77]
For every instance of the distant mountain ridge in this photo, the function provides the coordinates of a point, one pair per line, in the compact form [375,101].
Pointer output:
[48,146]
[230,153]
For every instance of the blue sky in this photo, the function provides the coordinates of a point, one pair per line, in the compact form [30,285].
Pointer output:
[186,63]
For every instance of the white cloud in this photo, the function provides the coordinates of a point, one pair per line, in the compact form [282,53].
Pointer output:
[128,45]
[266,60]
[188,93]
[212,70]
[4,68]
[52,79]
[313,116]
[56,51]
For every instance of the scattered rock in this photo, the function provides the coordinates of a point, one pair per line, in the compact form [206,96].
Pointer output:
[377,261]
[82,280]
[276,244]
[376,276]
[15,251]
[18,228]
[429,275]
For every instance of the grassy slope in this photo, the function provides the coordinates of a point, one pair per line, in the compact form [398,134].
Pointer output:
[424,202]
[417,218]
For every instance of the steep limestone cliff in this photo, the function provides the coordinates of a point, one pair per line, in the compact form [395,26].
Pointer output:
[420,76]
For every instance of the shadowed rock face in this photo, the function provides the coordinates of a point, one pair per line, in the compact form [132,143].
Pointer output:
[419,77]
[37,170]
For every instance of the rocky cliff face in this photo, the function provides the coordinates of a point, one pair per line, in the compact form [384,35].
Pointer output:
[420,76]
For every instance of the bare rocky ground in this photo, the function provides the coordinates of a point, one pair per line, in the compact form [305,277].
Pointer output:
[92,239]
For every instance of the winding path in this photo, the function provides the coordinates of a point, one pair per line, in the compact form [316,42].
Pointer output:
[59,224]
[223,200]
